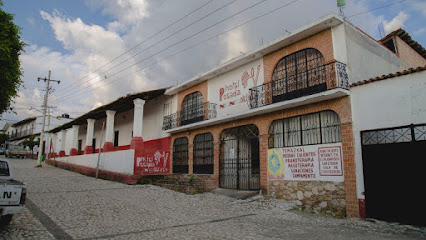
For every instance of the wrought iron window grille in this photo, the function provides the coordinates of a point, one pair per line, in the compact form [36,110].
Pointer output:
[180,155]
[203,151]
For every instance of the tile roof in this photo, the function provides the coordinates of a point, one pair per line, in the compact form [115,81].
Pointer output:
[391,75]
[121,104]
[26,120]
[401,33]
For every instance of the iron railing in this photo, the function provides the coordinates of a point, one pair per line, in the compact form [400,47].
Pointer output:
[199,113]
[22,133]
[304,83]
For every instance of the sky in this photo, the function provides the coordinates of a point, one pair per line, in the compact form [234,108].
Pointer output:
[101,50]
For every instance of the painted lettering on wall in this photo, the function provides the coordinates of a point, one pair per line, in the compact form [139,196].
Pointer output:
[158,163]
[306,163]
[330,161]
[237,91]
[153,157]
[300,162]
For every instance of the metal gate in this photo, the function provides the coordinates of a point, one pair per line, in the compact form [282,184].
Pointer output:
[239,158]
[393,177]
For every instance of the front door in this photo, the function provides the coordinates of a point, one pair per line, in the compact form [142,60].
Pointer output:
[239,158]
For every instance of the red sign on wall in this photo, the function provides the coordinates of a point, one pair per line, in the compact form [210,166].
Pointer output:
[153,158]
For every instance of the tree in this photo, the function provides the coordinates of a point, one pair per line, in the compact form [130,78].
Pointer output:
[11,47]
[30,143]
[3,138]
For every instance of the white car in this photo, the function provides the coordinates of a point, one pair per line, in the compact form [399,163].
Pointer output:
[12,193]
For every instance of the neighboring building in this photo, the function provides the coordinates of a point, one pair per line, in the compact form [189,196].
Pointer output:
[126,131]
[277,119]
[389,124]
[5,128]
[411,52]
[22,130]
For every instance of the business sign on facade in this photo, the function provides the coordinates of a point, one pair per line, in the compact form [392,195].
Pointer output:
[231,90]
[322,162]
[153,158]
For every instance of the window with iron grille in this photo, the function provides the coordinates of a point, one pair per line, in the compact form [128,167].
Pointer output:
[315,128]
[192,108]
[300,73]
[180,155]
[203,154]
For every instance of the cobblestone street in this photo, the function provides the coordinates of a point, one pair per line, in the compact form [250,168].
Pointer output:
[66,205]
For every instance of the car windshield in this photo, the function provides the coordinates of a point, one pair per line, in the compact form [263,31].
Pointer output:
[4,169]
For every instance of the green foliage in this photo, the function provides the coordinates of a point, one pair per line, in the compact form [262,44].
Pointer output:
[3,137]
[191,177]
[10,66]
[30,143]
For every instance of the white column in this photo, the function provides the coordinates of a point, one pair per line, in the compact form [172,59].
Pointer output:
[90,131]
[69,136]
[109,132]
[63,137]
[48,137]
[138,117]
[75,136]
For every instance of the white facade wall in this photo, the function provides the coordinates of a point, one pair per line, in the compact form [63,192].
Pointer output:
[82,131]
[153,117]
[120,161]
[123,123]
[230,91]
[389,103]
[362,51]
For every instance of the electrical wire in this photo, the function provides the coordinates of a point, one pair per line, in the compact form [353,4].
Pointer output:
[384,6]
[164,49]
[140,43]
[237,26]
[131,57]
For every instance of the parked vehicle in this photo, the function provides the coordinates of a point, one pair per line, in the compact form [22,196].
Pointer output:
[2,150]
[12,193]
[16,151]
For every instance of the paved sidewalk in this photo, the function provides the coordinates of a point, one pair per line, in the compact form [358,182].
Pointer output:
[66,205]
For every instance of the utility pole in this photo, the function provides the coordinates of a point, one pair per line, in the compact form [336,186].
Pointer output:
[46,96]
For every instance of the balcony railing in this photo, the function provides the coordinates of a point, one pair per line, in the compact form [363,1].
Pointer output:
[22,133]
[203,112]
[304,83]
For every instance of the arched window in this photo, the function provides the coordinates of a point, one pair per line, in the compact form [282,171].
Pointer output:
[301,73]
[315,128]
[203,154]
[180,155]
[192,108]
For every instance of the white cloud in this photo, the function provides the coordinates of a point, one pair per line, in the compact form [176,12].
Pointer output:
[419,31]
[421,6]
[396,22]
[91,46]
[235,44]
[31,21]
[127,12]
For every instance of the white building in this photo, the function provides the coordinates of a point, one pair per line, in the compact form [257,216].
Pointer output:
[389,125]
[280,118]
[128,133]
[20,131]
